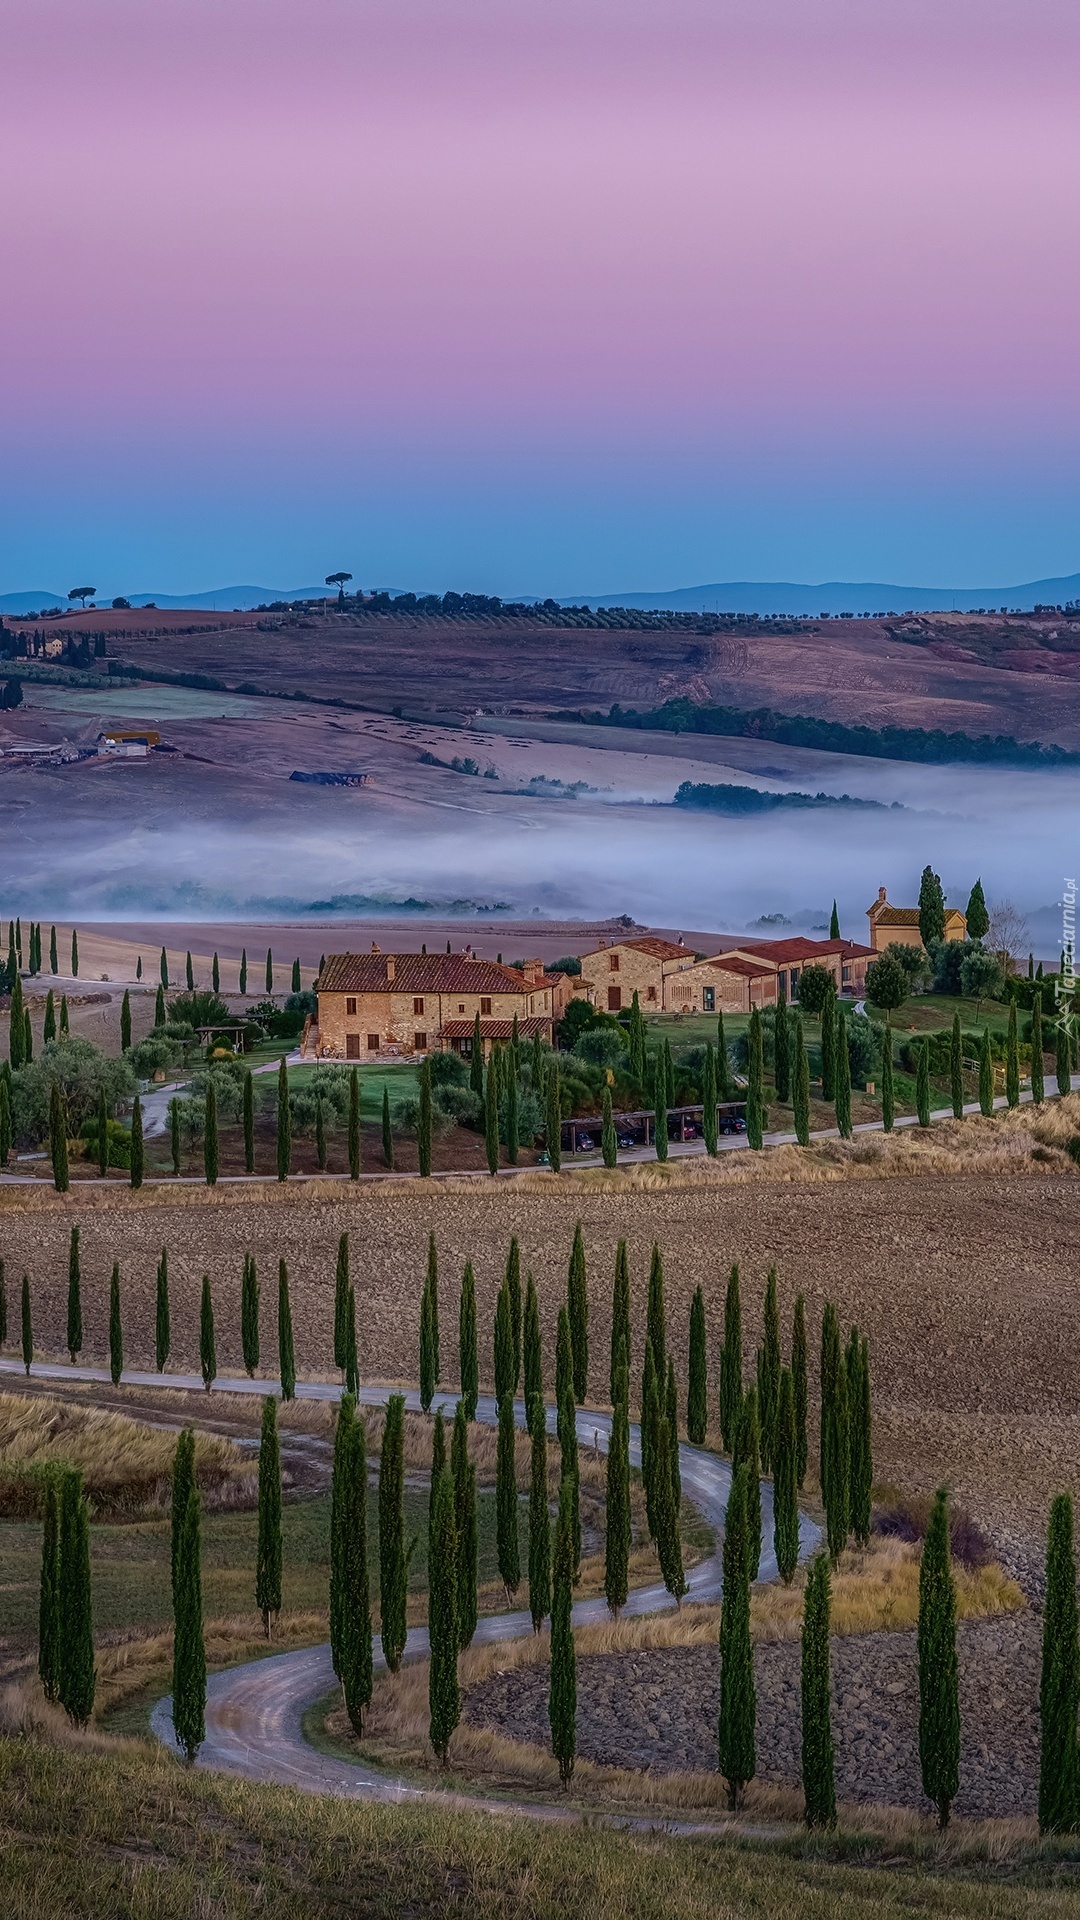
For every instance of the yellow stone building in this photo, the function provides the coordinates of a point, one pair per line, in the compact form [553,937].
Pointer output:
[899,926]
[391,1004]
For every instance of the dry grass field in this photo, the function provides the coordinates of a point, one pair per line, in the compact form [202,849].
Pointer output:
[965,1280]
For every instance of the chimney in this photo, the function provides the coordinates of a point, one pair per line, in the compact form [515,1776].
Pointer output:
[533,971]
[375,947]
[601,943]
[390,968]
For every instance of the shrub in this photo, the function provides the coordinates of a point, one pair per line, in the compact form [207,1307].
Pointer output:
[864,1038]
[815,986]
[155,1051]
[198,1009]
[907,1517]
[81,1071]
[449,1070]
[118,1138]
[602,1047]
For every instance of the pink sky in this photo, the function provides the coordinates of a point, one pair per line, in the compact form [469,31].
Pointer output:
[540,297]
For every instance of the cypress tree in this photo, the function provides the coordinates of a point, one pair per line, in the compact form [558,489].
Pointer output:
[1062,1058]
[1038,1087]
[503,1347]
[747,1454]
[861,1464]
[835,1437]
[931,908]
[637,1040]
[284,1124]
[189,1650]
[393,1568]
[427,1351]
[738,1699]
[424,1125]
[843,1078]
[671,1414]
[28,1039]
[27,1327]
[771,1368]
[697,1392]
[210,1137]
[828,1047]
[48,1031]
[125,1022]
[532,1361]
[320,1133]
[49,1620]
[649,1417]
[731,1364]
[513,1134]
[553,1126]
[617,1536]
[296,976]
[1012,1060]
[785,1482]
[800,1385]
[939,1705]
[162,1340]
[540,1522]
[986,1074]
[577,1306]
[189,973]
[116,1334]
[249,1122]
[562,1698]
[506,1517]
[660,1107]
[609,1146]
[755,1088]
[65,1025]
[539,1078]
[620,1320]
[354,1124]
[341,1305]
[564,1361]
[476,1059]
[249,1315]
[444,1696]
[339,1530]
[163,969]
[269,971]
[956,1069]
[3,1306]
[1059,1687]
[818,1758]
[922,1084]
[800,1089]
[668,1543]
[888,1094]
[268,1559]
[74,1298]
[207,1343]
[174,1135]
[58,1140]
[782,1050]
[102,1133]
[723,1062]
[160,1015]
[387,1131]
[136,1148]
[352,1362]
[74,954]
[709,1126]
[513,1289]
[464,1472]
[468,1358]
[834,923]
[242,980]
[570,1476]
[54,966]
[16,1027]
[655,1312]
[6,1129]
[286,1351]
[491,1111]
[215,975]
[183,1479]
[77,1677]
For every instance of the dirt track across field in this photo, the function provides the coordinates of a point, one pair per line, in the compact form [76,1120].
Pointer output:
[967,1287]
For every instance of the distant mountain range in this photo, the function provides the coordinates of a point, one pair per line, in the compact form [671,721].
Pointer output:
[727,596]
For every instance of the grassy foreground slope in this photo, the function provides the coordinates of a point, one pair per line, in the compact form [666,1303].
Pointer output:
[128,1833]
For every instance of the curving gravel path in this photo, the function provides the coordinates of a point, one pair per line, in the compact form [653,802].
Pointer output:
[255,1712]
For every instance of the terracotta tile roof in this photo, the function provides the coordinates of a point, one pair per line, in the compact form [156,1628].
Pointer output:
[528,1024]
[782,952]
[419,973]
[884,915]
[750,969]
[658,949]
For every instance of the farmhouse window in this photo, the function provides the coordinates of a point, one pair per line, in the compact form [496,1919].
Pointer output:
[352,1046]
[613,963]
[350,1006]
[420,1042]
[485,1006]
[708,999]
[651,995]
[461,1006]
[373,1043]
[614,999]
[418,1005]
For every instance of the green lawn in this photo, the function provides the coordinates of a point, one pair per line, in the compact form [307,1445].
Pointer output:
[402,1080]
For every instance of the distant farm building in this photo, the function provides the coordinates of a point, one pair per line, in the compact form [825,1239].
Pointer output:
[335,779]
[129,745]
[899,926]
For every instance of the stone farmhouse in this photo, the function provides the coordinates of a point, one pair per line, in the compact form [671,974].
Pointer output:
[612,974]
[394,1004]
[899,926]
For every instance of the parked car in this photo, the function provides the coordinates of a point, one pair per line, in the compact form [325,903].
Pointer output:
[731,1123]
[625,1141]
[543,1159]
[586,1143]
